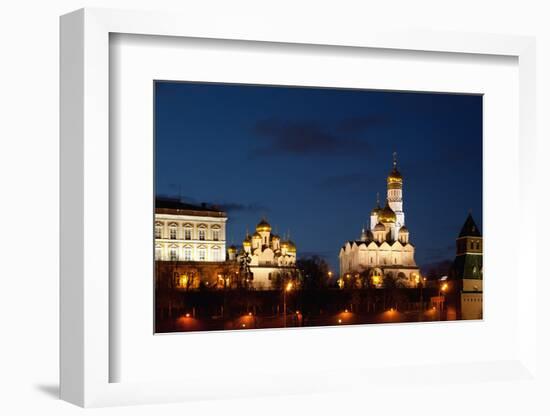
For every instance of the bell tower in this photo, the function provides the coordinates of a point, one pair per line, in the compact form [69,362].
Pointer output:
[395,193]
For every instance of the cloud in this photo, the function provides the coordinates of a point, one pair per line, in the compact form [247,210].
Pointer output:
[239,207]
[313,138]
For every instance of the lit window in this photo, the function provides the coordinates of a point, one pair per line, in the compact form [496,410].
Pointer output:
[187,233]
[216,254]
[215,235]
[187,254]
[173,232]
[158,231]
[202,234]
[158,252]
[202,254]
[173,254]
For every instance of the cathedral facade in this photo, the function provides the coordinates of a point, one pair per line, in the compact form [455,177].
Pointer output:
[384,250]
[270,259]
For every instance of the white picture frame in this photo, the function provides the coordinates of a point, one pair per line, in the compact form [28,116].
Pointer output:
[85,206]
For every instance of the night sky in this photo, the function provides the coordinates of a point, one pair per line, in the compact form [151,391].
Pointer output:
[311,160]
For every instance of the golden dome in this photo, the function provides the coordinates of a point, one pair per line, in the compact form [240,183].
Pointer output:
[403,230]
[275,237]
[289,245]
[247,242]
[387,214]
[256,235]
[395,179]
[379,227]
[232,249]
[263,225]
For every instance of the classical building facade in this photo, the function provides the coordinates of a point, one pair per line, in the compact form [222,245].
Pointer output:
[383,250]
[269,257]
[467,270]
[186,232]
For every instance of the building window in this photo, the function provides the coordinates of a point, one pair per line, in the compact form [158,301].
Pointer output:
[158,252]
[173,232]
[202,254]
[187,254]
[215,235]
[158,231]
[202,234]
[173,254]
[216,254]
[187,233]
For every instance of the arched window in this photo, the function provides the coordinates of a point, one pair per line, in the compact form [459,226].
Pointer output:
[202,234]
[202,254]
[187,253]
[173,253]
[173,231]
[158,252]
[216,254]
[158,230]
[187,232]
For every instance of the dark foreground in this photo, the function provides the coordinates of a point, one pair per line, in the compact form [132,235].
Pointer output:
[181,311]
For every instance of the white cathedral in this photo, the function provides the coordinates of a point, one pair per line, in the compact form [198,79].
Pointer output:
[384,250]
[270,257]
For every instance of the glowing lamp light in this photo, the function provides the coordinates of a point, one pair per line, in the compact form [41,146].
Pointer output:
[244,325]
[187,315]
[289,286]
[249,313]
[345,310]
[339,321]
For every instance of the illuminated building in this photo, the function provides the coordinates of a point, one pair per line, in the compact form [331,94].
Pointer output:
[186,232]
[384,250]
[270,257]
[190,246]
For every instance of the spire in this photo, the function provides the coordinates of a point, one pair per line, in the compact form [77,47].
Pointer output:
[469,229]
[395,160]
[378,199]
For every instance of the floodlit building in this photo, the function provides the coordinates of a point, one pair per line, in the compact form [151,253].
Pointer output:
[187,232]
[270,258]
[384,250]
[190,246]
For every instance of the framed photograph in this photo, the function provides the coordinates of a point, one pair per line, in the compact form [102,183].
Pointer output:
[277,212]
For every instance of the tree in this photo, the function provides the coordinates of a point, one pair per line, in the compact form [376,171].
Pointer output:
[314,271]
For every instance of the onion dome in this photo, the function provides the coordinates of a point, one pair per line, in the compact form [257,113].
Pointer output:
[403,230]
[256,235]
[291,246]
[379,227]
[275,237]
[247,241]
[263,225]
[232,249]
[395,179]
[376,210]
[387,215]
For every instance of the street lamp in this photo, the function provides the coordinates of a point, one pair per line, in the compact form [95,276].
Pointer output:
[442,289]
[286,288]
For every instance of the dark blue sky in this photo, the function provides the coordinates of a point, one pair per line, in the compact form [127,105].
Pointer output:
[311,160]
